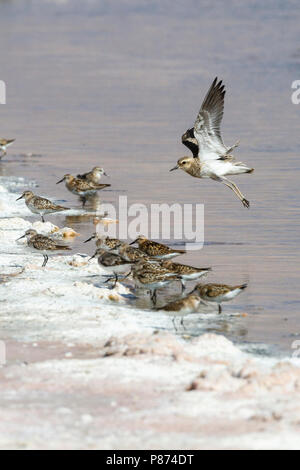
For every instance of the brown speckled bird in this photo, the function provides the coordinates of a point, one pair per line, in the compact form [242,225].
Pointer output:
[151,276]
[113,264]
[42,243]
[105,243]
[40,205]
[218,293]
[182,307]
[94,175]
[185,272]
[130,253]
[156,250]
[80,187]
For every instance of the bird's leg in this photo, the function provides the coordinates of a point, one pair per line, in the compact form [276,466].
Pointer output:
[116,280]
[182,286]
[174,324]
[236,190]
[220,308]
[43,220]
[83,201]
[153,297]
[182,324]
[127,275]
[45,260]
[233,187]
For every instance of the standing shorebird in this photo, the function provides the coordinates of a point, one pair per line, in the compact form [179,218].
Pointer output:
[211,158]
[42,243]
[40,205]
[156,250]
[94,175]
[182,307]
[185,272]
[105,243]
[218,293]
[113,264]
[80,187]
[4,143]
[151,277]
[130,253]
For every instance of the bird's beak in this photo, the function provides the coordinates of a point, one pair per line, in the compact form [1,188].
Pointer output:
[60,181]
[195,290]
[89,239]
[23,236]
[134,241]
[105,174]
[21,197]
[175,168]
[92,257]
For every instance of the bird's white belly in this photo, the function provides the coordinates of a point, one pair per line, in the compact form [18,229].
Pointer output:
[33,209]
[217,299]
[167,256]
[152,285]
[180,313]
[231,295]
[192,276]
[122,268]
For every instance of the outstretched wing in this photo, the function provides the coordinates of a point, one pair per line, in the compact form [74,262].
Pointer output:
[189,140]
[207,126]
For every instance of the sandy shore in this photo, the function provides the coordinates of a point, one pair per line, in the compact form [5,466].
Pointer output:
[85,370]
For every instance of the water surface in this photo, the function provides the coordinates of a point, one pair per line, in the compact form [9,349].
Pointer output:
[117,83]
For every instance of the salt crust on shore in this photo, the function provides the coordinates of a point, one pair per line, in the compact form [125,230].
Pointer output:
[84,370]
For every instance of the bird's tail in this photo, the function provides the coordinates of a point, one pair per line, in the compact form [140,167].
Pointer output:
[238,168]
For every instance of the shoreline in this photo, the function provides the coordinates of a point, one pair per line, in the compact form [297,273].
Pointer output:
[107,375]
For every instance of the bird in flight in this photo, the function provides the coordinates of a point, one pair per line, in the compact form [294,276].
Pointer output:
[4,143]
[211,158]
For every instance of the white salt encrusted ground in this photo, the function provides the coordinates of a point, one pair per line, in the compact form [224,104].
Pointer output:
[85,370]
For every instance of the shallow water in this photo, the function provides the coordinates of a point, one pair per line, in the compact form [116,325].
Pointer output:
[116,84]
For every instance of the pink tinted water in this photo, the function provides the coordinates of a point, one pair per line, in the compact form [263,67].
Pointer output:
[117,83]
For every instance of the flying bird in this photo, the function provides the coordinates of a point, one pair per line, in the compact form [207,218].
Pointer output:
[4,143]
[211,158]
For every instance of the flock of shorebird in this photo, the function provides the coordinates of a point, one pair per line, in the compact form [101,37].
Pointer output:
[150,263]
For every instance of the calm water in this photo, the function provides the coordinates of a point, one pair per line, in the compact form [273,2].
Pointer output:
[116,84]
